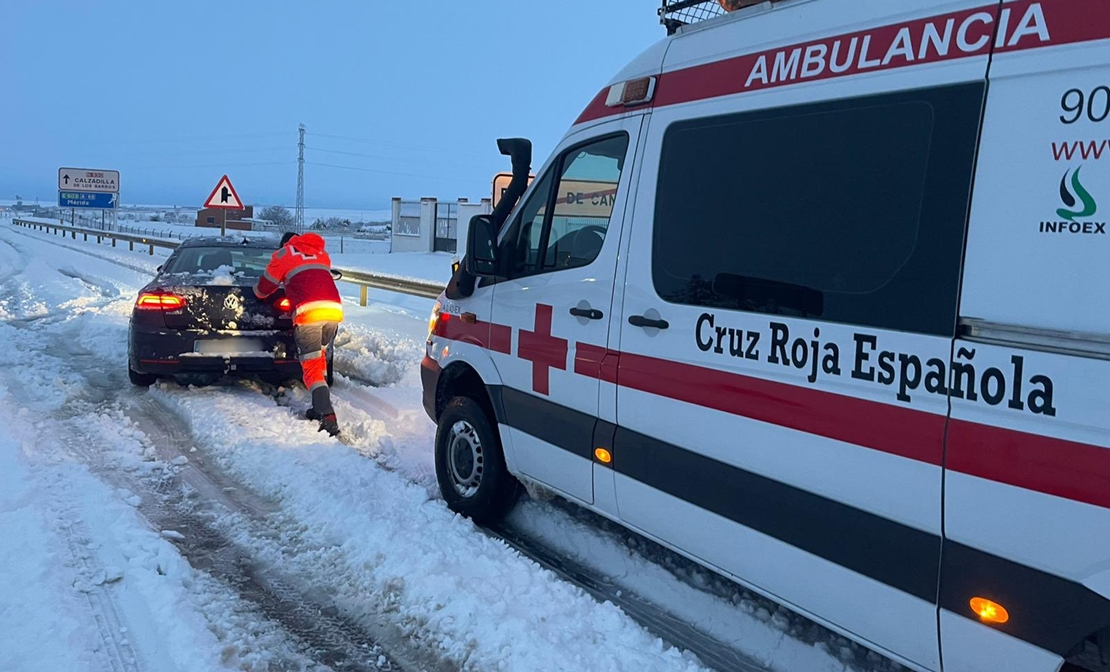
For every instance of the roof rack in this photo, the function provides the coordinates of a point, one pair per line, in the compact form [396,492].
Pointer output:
[677,13]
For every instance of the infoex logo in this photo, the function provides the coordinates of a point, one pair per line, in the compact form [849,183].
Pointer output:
[1072,193]
[1079,204]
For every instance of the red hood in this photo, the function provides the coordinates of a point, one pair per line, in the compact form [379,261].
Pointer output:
[309,243]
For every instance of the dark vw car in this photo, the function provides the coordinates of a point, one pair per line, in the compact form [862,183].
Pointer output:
[199,317]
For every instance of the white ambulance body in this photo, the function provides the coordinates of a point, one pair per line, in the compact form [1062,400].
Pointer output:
[817,294]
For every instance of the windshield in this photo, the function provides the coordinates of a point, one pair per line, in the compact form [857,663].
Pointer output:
[245,261]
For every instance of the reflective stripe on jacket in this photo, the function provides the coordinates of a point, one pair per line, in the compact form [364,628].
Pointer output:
[304,267]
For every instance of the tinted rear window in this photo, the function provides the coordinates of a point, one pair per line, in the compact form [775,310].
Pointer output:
[247,261]
[850,212]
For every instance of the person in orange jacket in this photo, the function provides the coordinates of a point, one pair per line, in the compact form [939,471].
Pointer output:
[303,266]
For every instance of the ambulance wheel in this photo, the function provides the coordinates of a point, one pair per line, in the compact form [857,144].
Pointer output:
[470,466]
[140,379]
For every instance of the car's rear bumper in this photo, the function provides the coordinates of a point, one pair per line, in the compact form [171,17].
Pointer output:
[226,365]
[429,380]
[169,352]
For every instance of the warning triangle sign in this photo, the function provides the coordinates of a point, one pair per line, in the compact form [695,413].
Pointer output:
[224,196]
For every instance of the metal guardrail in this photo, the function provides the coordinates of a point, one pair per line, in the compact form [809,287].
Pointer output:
[73,231]
[364,280]
[422,288]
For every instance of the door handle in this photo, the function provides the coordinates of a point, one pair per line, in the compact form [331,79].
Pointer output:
[588,313]
[646,322]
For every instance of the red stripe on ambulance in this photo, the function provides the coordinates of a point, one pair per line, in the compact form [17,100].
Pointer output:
[1057,467]
[495,337]
[1075,471]
[891,429]
[1023,25]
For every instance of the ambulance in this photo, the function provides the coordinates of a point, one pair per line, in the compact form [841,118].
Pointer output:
[817,293]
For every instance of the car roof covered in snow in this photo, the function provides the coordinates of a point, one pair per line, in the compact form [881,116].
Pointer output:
[268,242]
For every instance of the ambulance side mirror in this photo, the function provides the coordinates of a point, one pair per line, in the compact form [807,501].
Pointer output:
[481,248]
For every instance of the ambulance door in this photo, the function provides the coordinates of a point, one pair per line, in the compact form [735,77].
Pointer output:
[1027,486]
[562,251]
[789,312]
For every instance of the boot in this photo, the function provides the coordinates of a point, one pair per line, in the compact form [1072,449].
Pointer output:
[311,414]
[329,424]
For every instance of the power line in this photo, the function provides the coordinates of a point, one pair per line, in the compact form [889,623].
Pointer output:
[203,138]
[380,172]
[208,152]
[338,151]
[398,145]
[381,158]
[209,165]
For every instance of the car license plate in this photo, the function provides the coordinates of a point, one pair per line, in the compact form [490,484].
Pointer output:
[229,346]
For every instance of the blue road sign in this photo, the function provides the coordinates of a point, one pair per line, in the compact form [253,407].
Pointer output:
[86,199]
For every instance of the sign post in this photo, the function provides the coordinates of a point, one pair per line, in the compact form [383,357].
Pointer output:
[88,188]
[224,198]
[87,200]
[88,180]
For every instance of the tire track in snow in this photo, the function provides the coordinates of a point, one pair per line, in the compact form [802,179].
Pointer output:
[322,633]
[77,441]
[105,288]
[327,637]
[340,642]
[656,620]
[116,650]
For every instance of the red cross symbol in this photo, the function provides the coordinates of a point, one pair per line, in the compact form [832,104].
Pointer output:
[543,350]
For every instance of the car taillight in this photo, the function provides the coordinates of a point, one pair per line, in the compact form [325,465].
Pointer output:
[284,304]
[159,301]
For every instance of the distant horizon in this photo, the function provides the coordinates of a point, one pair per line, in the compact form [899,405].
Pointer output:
[53,202]
[9,195]
[8,202]
[8,192]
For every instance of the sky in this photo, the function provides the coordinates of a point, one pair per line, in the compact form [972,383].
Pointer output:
[399,99]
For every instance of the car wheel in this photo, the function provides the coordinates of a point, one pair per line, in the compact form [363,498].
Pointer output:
[470,465]
[140,379]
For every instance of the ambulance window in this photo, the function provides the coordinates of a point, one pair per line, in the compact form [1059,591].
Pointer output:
[584,203]
[573,234]
[851,211]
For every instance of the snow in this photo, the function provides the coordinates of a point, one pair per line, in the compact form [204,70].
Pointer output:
[223,276]
[87,585]
[92,529]
[36,615]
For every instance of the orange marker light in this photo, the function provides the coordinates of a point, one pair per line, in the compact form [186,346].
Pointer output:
[989,612]
[603,456]
[285,304]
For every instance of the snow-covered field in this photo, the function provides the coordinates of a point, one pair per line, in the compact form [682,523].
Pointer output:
[184,528]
